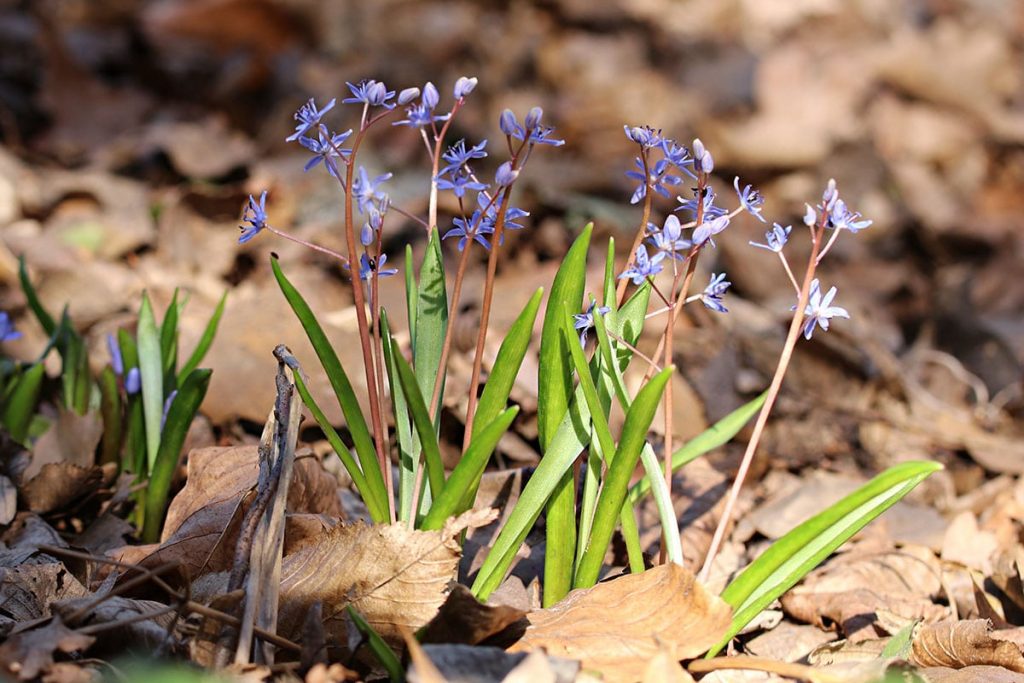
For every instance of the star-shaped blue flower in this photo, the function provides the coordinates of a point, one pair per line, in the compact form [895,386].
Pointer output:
[713,294]
[584,322]
[326,149]
[643,267]
[775,238]
[308,117]
[7,331]
[365,191]
[750,199]
[256,216]
[820,309]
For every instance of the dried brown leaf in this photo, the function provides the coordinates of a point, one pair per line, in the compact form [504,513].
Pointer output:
[131,632]
[395,577]
[616,627]
[58,485]
[664,668]
[464,619]
[971,674]
[27,591]
[29,653]
[71,438]
[958,644]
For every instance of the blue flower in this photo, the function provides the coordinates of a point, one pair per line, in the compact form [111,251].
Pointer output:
[644,136]
[538,134]
[370,93]
[750,199]
[458,156]
[364,190]
[820,309]
[505,175]
[116,361]
[133,381]
[810,216]
[643,267]
[367,266]
[775,238]
[585,321]
[308,117]
[702,157]
[491,214]
[714,292]
[657,178]
[7,331]
[167,408]
[669,240]
[326,149]
[710,210]
[463,86]
[677,155]
[709,228]
[464,230]
[459,182]
[408,95]
[256,216]
[841,218]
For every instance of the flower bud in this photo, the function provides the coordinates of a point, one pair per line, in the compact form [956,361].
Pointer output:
[430,96]
[533,118]
[366,235]
[508,122]
[810,217]
[698,148]
[505,175]
[707,163]
[408,95]
[464,86]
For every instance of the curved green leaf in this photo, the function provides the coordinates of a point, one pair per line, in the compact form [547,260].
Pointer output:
[151,369]
[616,481]
[179,417]
[424,426]
[354,419]
[46,320]
[18,412]
[431,320]
[466,475]
[205,341]
[791,557]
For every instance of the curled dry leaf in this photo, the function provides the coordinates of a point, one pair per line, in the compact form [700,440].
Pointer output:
[853,587]
[203,519]
[464,619]
[58,485]
[129,629]
[30,653]
[958,644]
[616,627]
[395,577]
[27,591]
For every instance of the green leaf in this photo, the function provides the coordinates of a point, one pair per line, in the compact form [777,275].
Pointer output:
[151,369]
[431,321]
[407,444]
[19,409]
[380,649]
[506,366]
[206,340]
[899,645]
[424,427]
[169,343]
[794,555]
[711,438]
[179,417]
[560,539]
[110,410]
[554,380]
[354,419]
[616,481]
[46,320]
[374,498]
[411,294]
[608,295]
[467,473]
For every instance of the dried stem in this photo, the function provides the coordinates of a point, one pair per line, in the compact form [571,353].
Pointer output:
[766,409]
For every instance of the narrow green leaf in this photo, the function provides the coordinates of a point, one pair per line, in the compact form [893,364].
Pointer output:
[899,645]
[354,419]
[411,294]
[46,320]
[380,649]
[206,340]
[179,417]
[560,537]
[616,481]
[506,366]
[424,427]
[169,343]
[110,410]
[554,380]
[711,438]
[407,449]
[467,473]
[791,557]
[129,350]
[373,498]
[151,369]
[608,285]
[18,411]
[431,321]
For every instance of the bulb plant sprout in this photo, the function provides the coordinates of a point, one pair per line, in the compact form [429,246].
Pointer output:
[582,482]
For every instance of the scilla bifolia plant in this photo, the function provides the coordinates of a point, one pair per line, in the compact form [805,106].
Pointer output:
[146,402]
[575,392]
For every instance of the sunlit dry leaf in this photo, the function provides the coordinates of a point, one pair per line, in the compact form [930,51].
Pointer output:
[663,668]
[852,587]
[958,644]
[394,577]
[967,544]
[29,653]
[617,626]
[71,438]
[972,674]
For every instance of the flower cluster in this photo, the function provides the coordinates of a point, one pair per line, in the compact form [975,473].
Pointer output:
[658,174]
